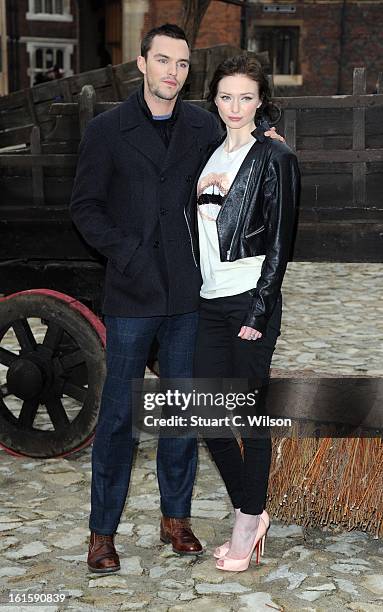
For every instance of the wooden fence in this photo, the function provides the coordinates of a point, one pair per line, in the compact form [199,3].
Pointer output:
[338,140]
[21,110]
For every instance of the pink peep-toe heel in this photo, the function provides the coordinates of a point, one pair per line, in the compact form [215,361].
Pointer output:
[221,551]
[240,565]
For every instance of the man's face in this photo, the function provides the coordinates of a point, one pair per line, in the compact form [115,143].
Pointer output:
[166,67]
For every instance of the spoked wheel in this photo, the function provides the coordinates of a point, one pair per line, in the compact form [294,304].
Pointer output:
[52,369]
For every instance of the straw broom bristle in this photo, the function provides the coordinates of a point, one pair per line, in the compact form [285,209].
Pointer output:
[336,482]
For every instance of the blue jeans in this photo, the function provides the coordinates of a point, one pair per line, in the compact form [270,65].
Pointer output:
[127,349]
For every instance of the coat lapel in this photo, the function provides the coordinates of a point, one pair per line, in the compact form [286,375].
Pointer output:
[228,215]
[184,137]
[232,204]
[138,131]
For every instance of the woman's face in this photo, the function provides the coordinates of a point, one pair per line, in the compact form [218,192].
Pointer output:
[237,100]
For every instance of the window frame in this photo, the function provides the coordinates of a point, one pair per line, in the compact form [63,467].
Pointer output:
[55,43]
[281,79]
[66,15]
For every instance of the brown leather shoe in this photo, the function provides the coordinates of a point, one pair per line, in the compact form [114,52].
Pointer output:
[178,532]
[102,555]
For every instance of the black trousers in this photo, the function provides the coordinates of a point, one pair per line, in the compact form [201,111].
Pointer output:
[221,354]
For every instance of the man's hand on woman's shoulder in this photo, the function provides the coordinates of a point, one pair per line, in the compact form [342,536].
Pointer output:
[272,133]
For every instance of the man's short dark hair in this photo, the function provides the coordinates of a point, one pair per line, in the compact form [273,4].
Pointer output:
[167,29]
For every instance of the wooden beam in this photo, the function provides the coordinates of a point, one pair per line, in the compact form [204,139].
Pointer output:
[347,101]
[304,102]
[115,82]
[352,241]
[341,156]
[37,170]
[290,121]
[31,106]
[67,160]
[65,90]
[359,139]
[10,138]
[64,108]
[379,83]
[87,105]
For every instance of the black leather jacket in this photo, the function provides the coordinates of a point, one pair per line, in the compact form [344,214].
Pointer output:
[258,218]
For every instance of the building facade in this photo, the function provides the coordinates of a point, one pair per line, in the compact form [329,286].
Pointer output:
[41,34]
[313,45]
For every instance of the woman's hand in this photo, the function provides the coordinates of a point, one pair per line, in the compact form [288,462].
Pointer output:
[272,132]
[249,333]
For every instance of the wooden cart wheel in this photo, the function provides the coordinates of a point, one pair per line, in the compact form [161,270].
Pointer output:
[52,369]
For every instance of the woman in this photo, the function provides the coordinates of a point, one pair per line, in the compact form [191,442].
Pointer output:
[247,196]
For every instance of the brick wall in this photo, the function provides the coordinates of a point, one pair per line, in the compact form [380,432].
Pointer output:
[46,29]
[320,23]
[320,44]
[221,23]
[162,11]
[364,43]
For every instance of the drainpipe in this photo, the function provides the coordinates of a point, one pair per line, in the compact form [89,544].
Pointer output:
[244,15]
[342,42]
[14,52]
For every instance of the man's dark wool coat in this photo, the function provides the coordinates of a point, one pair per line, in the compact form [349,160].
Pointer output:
[128,203]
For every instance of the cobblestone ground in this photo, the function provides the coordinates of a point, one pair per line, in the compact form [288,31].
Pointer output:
[332,323]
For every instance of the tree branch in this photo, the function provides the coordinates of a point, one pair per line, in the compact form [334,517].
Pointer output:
[193,13]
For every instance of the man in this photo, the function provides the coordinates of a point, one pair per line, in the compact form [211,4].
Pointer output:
[134,177]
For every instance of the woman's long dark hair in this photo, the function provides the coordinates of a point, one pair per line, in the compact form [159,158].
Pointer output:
[250,67]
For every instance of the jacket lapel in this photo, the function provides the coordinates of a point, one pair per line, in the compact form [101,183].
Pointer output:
[185,135]
[228,215]
[137,130]
[232,204]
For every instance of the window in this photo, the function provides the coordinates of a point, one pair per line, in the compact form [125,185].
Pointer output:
[49,6]
[49,10]
[46,58]
[282,44]
[44,55]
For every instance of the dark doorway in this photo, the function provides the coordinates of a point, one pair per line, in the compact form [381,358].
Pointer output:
[100,33]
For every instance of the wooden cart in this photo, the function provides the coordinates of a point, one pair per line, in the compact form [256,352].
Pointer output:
[52,384]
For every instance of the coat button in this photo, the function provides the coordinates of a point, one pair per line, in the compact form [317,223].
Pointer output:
[162,179]
[156,244]
[163,211]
